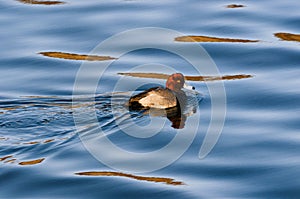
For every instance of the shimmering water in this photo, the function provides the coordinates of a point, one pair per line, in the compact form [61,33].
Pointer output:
[257,155]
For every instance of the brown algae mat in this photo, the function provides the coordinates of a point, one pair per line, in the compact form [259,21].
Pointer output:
[168,181]
[71,56]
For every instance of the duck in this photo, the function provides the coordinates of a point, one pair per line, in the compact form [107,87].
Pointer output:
[162,98]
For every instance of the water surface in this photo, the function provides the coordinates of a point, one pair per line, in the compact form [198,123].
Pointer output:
[257,155]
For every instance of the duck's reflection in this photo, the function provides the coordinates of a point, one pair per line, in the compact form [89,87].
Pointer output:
[174,115]
[177,115]
[177,118]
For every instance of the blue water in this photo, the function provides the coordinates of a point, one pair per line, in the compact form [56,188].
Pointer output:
[257,155]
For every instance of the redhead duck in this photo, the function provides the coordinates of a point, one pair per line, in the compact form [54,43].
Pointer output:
[161,98]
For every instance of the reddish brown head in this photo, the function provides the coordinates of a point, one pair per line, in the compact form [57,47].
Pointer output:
[175,82]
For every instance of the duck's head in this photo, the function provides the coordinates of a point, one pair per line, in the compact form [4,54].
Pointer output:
[176,82]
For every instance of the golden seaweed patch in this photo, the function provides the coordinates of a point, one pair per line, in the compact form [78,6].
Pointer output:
[146,75]
[41,2]
[11,161]
[189,78]
[288,36]
[235,6]
[72,56]
[5,157]
[33,142]
[48,141]
[32,162]
[37,142]
[169,181]
[211,39]
[12,108]
[215,78]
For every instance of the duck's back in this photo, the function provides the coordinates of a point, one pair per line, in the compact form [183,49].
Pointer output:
[153,98]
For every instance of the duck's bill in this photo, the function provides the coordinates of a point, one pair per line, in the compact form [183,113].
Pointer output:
[187,86]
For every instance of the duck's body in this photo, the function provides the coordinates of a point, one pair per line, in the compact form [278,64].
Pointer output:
[159,97]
